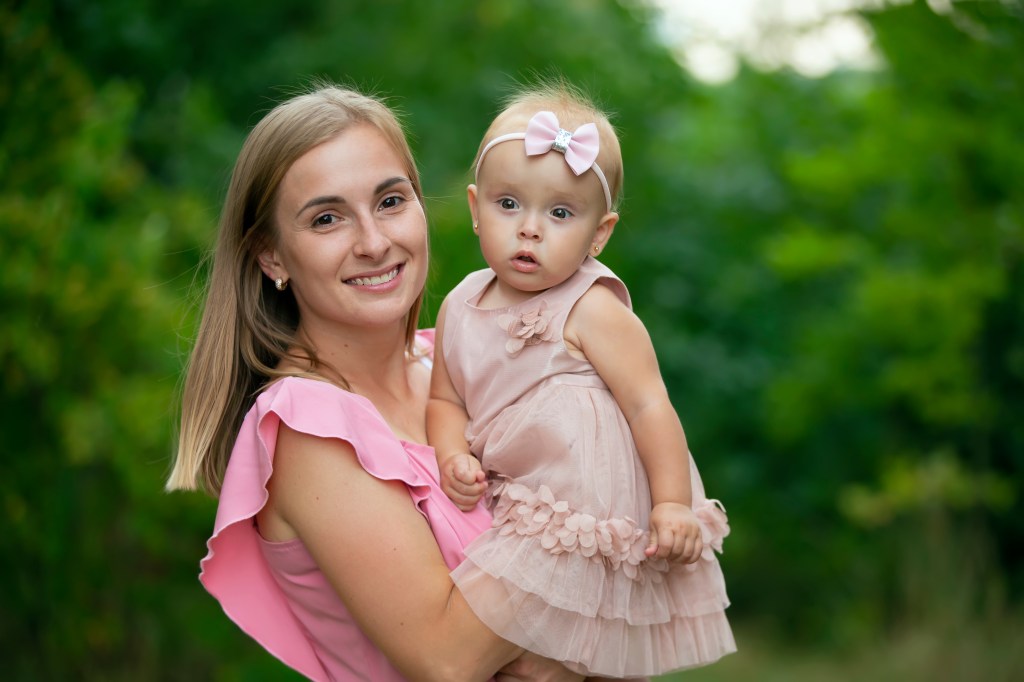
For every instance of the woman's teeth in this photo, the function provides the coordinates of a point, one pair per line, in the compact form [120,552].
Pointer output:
[376,279]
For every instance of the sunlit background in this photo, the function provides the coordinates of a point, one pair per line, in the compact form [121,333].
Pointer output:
[812,37]
[823,228]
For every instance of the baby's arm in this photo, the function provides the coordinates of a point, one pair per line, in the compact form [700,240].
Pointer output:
[462,477]
[617,344]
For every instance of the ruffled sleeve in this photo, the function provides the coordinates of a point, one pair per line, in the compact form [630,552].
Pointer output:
[425,342]
[234,570]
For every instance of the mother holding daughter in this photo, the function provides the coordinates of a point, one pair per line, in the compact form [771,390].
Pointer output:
[304,412]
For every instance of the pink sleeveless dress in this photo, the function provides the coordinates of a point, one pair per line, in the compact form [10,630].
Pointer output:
[562,571]
[274,590]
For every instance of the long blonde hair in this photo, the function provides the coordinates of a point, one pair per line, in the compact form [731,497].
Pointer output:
[247,325]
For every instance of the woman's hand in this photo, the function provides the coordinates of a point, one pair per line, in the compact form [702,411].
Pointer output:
[535,668]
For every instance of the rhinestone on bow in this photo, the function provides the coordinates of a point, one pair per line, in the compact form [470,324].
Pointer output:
[561,142]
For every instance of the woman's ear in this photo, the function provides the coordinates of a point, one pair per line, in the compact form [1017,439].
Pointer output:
[271,266]
[603,232]
[471,199]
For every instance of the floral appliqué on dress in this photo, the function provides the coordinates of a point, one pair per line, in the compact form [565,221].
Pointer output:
[528,328]
[619,542]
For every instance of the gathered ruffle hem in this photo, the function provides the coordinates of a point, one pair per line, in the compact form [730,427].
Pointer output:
[577,589]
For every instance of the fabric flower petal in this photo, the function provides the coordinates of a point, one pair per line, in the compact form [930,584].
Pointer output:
[514,346]
[617,542]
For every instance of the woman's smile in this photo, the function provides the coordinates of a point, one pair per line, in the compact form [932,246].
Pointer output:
[379,280]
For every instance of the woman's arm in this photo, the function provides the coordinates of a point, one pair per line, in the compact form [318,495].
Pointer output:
[535,668]
[617,344]
[378,553]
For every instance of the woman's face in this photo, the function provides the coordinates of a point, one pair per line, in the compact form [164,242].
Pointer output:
[352,235]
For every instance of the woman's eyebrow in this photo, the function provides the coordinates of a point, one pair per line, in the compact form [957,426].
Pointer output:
[319,201]
[338,199]
[390,182]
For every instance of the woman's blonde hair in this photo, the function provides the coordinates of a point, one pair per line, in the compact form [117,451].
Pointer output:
[573,108]
[247,325]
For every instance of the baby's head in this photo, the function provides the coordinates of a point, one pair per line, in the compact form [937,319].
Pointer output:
[572,109]
[547,177]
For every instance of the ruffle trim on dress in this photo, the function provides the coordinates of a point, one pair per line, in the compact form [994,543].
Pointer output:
[591,644]
[618,542]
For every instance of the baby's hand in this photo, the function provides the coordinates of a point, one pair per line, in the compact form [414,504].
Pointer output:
[462,480]
[675,533]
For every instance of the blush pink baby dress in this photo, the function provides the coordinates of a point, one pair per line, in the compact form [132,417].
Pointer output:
[562,571]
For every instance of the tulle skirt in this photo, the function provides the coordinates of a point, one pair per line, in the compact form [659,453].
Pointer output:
[562,572]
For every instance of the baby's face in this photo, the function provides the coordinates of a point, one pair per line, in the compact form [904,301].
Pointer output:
[536,219]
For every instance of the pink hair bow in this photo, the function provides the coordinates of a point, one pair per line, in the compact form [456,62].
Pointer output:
[543,134]
[580,147]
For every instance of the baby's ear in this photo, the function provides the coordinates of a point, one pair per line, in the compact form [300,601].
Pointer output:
[604,230]
[471,199]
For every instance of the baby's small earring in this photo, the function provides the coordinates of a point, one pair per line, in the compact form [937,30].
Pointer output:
[596,249]
[476,227]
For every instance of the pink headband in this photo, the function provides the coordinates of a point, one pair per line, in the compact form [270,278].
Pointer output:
[543,134]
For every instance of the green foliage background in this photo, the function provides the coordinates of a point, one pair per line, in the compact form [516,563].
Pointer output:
[832,271]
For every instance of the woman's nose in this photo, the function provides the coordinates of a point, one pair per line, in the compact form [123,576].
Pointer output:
[373,242]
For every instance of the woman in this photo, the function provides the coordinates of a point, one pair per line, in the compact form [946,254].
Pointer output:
[304,410]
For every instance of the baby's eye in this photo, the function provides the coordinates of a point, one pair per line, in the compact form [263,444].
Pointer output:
[508,204]
[562,213]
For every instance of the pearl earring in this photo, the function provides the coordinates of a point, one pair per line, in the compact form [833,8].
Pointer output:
[597,249]
[280,284]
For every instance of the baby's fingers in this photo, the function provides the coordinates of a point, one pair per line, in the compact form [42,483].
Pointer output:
[468,489]
[652,546]
[698,549]
[463,497]
[674,545]
[661,543]
[472,489]
[688,548]
[465,503]
[467,471]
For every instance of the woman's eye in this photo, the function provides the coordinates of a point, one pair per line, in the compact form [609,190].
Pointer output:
[561,213]
[508,204]
[325,219]
[393,201]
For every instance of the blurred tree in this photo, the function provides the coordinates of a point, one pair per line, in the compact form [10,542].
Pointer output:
[99,565]
[831,271]
[851,317]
